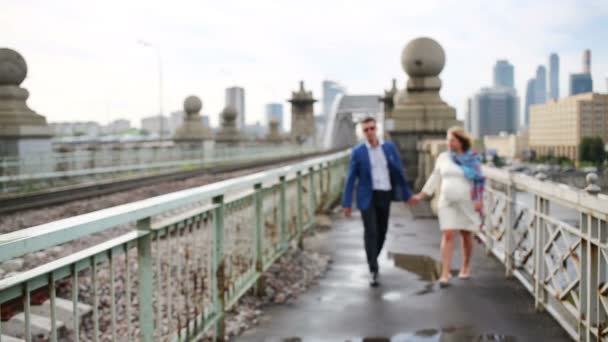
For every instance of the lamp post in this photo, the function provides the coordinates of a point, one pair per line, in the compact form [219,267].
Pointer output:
[160,84]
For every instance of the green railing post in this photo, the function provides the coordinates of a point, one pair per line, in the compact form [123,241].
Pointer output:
[259,239]
[312,192]
[509,229]
[219,299]
[145,278]
[283,240]
[299,216]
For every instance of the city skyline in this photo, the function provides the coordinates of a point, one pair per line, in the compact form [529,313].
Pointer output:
[94,57]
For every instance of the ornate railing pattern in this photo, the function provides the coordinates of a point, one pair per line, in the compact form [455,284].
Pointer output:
[189,257]
[554,239]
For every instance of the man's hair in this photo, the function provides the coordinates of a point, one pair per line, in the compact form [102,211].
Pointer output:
[368,119]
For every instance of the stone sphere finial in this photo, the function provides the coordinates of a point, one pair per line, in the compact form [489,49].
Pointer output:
[592,187]
[423,57]
[229,114]
[192,104]
[13,68]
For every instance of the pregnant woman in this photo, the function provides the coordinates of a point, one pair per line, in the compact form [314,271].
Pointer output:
[458,179]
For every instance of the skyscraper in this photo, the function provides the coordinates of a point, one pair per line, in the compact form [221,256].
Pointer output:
[530,98]
[331,89]
[582,83]
[494,110]
[235,97]
[540,85]
[554,76]
[587,62]
[274,111]
[467,117]
[503,74]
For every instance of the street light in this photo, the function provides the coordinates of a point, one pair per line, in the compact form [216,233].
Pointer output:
[160,83]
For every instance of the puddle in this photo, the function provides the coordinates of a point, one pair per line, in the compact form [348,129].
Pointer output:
[427,268]
[392,296]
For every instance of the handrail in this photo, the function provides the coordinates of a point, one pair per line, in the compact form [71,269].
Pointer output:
[50,234]
[568,196]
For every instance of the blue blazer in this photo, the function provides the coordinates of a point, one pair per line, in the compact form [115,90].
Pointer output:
[360,170]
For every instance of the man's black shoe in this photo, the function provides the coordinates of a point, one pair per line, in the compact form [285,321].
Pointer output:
[373,281]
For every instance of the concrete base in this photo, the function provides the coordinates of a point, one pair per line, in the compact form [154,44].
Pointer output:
[40,326]
[25,146]
[64,310]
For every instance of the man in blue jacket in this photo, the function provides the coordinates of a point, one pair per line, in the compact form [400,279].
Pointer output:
[377,174]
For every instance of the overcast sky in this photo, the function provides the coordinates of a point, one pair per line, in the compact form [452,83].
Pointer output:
[85,63]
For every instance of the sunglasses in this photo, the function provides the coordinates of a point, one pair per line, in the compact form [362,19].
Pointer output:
[367,129]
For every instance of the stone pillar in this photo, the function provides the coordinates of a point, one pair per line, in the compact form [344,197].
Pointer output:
[274,136]
[419,112]
[229,133]
[388,105]
[193,135]
[302,116]
[23,132]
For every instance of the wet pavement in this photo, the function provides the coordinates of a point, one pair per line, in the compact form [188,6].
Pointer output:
[408,305]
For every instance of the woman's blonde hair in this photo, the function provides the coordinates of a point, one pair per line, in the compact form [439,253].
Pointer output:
[462,136]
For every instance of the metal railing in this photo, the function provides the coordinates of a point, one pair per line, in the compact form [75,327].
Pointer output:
[188,258]
[554,239]
[17,174]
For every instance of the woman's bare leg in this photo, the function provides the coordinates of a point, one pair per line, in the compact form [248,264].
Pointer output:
[467,251]
[447,249]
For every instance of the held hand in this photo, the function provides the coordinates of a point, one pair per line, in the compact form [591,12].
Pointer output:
[415,199]
[347,212]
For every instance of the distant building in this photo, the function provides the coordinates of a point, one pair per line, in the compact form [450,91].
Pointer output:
[554,76]
[587,62]
[153,124]
[503,74]
[78,128]
[235,97]
[511,146]
[540,85]
[580,84]
[494,110]
[468,116]
[205,120]
[256,130]
[116,127]
[274,111]
[176,119]
[557,127]
[331,90]
[530,98]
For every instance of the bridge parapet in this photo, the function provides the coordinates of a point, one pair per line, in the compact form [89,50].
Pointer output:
[554,239]
[178,261]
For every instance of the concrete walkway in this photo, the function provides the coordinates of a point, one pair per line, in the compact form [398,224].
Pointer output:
[408,306]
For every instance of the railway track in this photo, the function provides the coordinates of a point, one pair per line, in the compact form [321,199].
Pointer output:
[15,203]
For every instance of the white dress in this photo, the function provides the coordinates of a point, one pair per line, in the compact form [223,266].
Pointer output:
[455,208]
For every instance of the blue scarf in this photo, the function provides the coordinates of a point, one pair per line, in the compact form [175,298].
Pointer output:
[471,165]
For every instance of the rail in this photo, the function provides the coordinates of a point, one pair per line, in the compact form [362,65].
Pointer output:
[554,239]
[18,175]
[188,259]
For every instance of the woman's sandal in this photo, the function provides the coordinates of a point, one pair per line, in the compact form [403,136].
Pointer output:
[443,283]
[464,276]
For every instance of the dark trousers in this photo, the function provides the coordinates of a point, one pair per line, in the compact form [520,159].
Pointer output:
[375,221]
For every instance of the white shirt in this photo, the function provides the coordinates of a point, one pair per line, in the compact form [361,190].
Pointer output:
[380,176]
